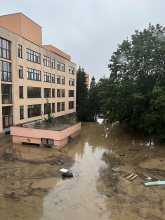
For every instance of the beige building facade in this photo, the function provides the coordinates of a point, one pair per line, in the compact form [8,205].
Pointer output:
[31,74]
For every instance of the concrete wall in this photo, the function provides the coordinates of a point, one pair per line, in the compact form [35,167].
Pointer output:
[32,135]
[23,26]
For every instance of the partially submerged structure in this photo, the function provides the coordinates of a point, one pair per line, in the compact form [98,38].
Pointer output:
[54,135]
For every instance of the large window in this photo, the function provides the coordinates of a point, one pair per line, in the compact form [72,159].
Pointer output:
[33,92]
[53,64]
[33,74]
[63,80]
[58,65]
[71,104]
[71,82]
[53,107]
[34,110]
[20,68]
[58,106]
[63,67]
[47,93]
[7,116]
[4,49]
[58,93]
[58,79]
[6,92]
[53,78]
[20,51]
[71,93]
[63,92]
[5,71]
[33,56]
[71,70]
[46,61]
[21,92]
[63,106]
[53,93]
[21,112]
[47,77]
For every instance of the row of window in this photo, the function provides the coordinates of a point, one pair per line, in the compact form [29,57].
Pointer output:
[36,58]
[35,110]
[5,52]
[35,92]
[32,92]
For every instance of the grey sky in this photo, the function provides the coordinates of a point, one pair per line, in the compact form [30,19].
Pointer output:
[89,30]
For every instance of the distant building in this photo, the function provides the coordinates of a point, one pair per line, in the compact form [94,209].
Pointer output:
[87,80]
[31,73]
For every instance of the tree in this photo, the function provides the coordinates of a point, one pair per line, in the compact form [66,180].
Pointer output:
[136,86]
[81,96]
[48,111]
[93,100]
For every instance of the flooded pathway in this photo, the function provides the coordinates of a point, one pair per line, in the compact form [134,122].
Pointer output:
[100,159]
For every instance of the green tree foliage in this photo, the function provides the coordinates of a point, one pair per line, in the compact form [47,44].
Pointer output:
[48,111]
[81,96]
[93,100]
[135,90]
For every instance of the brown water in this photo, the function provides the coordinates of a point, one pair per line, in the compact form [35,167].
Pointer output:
[100,160]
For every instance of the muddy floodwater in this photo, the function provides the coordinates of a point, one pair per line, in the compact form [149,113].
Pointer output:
[101,159]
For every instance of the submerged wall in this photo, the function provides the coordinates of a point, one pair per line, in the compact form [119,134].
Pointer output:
[38,136]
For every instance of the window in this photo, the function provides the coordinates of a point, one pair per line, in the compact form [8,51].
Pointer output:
[71,70]
[53,93]
[47,77]
[33,56]
[63,92]
[47,108]
[58,93]
[53,78]
[63,106]
[21,112]
[47,93]
[71,93]
[33,74]
[7,116]
[71,82]
[63,67]
[4,49]
[86,79]
[58,79]
[46,61]
[20,68]
[5,71]
[6,92]
[21,92]
[53,64]
[53,107]
[33,92]
[63,80]
[71,104]
[20,51]
[34,110]
[58,107]
[58,65]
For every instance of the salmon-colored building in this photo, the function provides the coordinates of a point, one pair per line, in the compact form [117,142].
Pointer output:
[31,73]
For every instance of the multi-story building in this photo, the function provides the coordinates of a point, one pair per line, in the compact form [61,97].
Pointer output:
[87,80]
[31,73]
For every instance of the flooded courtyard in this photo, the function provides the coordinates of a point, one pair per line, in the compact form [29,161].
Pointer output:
[101,159]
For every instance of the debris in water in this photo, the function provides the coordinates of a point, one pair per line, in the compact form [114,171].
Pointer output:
[129,176]
[134,177]
[63,170]
[155,183]
[67,175]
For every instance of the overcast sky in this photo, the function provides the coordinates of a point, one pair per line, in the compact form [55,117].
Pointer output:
[89,30]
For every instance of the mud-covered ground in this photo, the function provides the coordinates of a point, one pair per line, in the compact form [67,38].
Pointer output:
[101,159]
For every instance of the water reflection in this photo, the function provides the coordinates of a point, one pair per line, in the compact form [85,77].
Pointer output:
[78,197]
